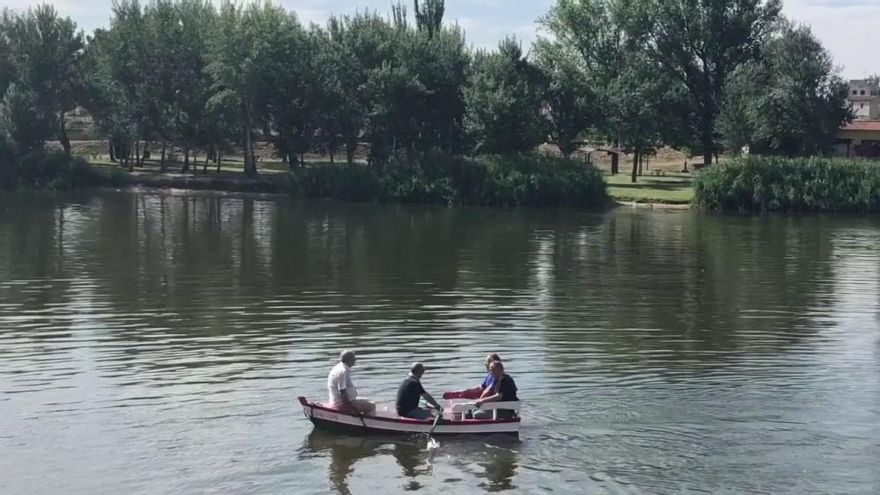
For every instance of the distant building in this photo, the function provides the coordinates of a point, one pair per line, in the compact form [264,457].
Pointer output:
[861,137]
[864,98]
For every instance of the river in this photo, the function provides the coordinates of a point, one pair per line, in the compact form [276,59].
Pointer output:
[156,341]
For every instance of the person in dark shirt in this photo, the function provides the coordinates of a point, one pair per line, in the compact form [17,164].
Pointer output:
[484,389]
[410,392]
[506,392]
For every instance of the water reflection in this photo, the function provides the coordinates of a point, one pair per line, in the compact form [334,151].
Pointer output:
[493,459]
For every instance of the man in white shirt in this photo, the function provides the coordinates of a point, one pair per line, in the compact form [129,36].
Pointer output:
[342,392]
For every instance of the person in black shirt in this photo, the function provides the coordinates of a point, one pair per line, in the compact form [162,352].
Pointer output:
[506,393]
[410,392]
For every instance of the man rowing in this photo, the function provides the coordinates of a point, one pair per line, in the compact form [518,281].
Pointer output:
[409,393]
[343,394]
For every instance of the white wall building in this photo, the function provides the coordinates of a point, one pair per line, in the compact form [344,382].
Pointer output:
[864,98]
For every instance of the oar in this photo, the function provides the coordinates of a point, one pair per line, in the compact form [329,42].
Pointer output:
[364,423]
[434,444]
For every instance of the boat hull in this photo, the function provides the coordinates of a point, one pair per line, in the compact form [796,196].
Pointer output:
[330,419]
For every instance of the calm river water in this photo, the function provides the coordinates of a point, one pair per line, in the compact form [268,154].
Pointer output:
[155,342]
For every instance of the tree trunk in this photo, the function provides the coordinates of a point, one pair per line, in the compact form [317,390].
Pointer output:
[110,150]
[195,162]
[635,167]
[137,152]
[350,147]
[207,159]
[145,153]
[707,157]
[62,135]
[185,168]
[219,161]
[565,149]
[250,166]
[331,158]
[162,160]
[615,159]
[641,161]
[302,159]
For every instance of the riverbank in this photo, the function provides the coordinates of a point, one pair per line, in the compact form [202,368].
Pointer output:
[527,180]
[514,180]
[647,195]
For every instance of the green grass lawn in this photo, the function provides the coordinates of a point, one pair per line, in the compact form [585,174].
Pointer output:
[672,188]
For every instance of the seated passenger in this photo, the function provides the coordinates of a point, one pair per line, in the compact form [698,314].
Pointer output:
[506,392]
[484,389]
[341,389]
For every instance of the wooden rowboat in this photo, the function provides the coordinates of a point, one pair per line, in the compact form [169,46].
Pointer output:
[388,422]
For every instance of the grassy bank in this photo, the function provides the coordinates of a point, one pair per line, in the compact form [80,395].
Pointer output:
[518,180]
[790,185]
[671,188]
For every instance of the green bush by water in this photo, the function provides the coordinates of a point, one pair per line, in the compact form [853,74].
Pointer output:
[518,180]
[790,185]
[54,170]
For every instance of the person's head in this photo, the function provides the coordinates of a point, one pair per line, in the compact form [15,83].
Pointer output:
[491,358]
[348,357]
[497,369]
[417,370]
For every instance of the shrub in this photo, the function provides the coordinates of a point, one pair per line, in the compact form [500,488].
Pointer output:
[790,185]
[516,180]
[47,170]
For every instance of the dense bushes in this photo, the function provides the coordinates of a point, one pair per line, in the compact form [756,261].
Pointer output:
[520,180]
[43,169]
[791,185]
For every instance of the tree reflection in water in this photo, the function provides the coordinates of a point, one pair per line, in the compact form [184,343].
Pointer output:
[494,459]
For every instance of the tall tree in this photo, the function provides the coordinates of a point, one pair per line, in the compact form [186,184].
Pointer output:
[291,105]
[595,31]
[700,43]
[429,15]
[504,101]
[791,102]
[195,126]
[104,97]
[7,68]
[570,101]
[45,50]
[640,104]
[243,53]
[363,43]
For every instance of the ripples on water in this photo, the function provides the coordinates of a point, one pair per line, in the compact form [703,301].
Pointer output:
[155,343]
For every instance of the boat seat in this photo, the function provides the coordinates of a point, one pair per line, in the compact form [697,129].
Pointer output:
[459,409]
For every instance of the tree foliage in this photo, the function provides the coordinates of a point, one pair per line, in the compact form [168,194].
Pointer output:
[192,76]
[42,51]
[700,43]
[790,102]
[571,103]
[504,101]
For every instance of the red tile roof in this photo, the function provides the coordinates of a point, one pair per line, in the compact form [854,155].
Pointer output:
[863,125]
